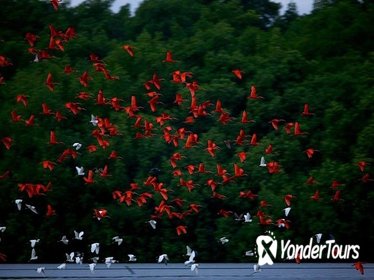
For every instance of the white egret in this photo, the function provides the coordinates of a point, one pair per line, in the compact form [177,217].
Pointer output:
[163,259]
[95,247]
[18,202]
[132,258]
[78,235]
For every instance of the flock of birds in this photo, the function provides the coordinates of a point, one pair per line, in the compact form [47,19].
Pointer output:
[103,130]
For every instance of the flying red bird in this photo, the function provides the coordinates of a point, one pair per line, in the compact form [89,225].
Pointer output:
[129,49]
[169,57]
[84,79]
[310,152]
[306,112]
[49,82]
[315,196]
[359,267]
[238,73]
[55,4]
[7,141]
[288,198]
[22,99]
[253,93]
[362,165]
[89,179]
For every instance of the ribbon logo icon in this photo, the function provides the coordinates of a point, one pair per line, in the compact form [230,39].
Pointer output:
[267,247]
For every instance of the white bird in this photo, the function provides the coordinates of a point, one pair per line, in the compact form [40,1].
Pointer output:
[249,253]
[78,235]
[92,267]
[153,223]
[31,208]
[132,258]
[191,259]
[2,229]
[238,217]
[318,237]
[163,259]
[69,257]
[94,121]
[95,259]
[62,266]
[287,211]
[109,260]
[40,270]
[64,240]
[33,242]
[77,146]
[78,260]
[18,202]
[118,240]
[189,250]
[194,267]
[223,240]
[247,218]
[36,59]
[33,255]
[256,268]
[80,170]
[262,162]
[95,247]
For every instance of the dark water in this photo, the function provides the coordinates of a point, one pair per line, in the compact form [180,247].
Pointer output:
[226,271]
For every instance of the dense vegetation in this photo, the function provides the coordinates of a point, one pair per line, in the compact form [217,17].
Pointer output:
[323,158]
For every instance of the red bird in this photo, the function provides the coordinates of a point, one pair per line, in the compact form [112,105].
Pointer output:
[15,117]
[306,112]
[359,267]
[253,93]
[315,196]
[181,230]
[7,141]
[288,198]
[49,82]
[238,73]
[46,110]
[129,49]
[245,119]
[169,57]
[273,167]
[100,213]
[253,141]
[84,78]
[55,4]
[50,211]
[337,196]
[249,194]
[68,69]
[48,164]
[89,178]
[52,138]
[22,99]
[31,38]
[362,165]
[212,147]
[297,130]
[269,149]
[310,152]
[275,123]
[242,156]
